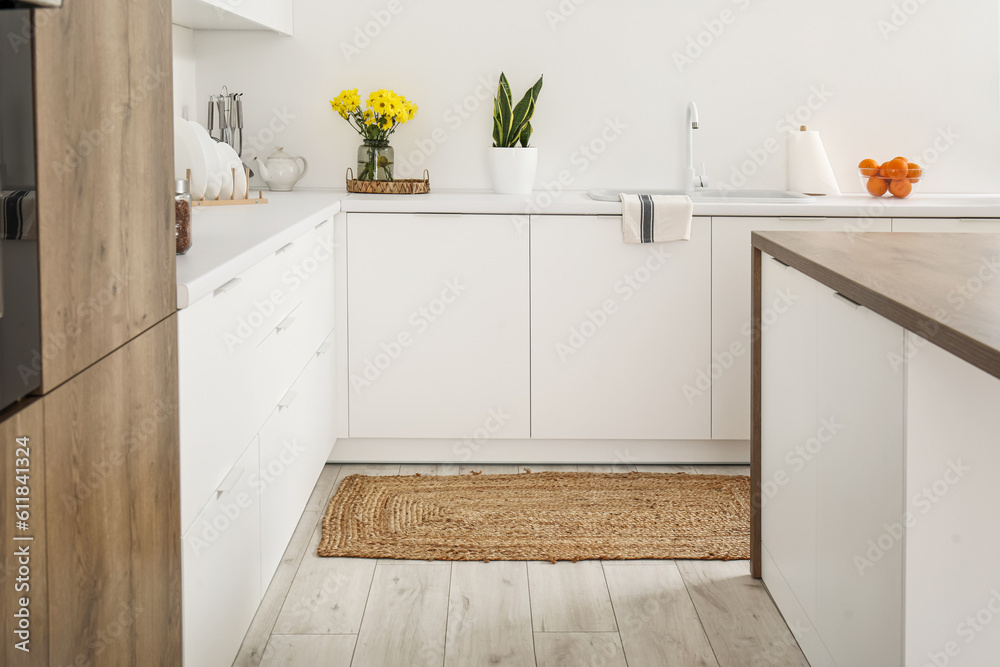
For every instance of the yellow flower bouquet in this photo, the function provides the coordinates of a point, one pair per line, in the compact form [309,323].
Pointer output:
[384,111]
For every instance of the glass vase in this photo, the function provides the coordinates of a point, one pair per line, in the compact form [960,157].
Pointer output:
[375,158]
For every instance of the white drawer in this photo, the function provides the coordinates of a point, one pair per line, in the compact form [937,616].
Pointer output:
[221,569]
[240,349]
[294,446]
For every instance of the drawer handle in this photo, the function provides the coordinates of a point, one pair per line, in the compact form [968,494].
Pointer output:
[230,482]
[324,348]
[285,248]
[322,224]
[850,302]
[779,262]
[799,218]
[284,324]
[287,400]
[225,287]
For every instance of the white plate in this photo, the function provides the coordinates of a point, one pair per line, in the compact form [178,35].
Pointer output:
[214,164]
[188,154]
[226,191]
[230,160]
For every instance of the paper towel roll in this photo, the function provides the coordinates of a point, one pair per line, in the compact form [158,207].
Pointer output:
[809,169]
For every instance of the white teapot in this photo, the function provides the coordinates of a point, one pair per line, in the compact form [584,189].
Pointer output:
[281,170]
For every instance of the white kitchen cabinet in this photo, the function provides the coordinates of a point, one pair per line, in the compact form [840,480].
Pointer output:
[274,15]
[437,324]
[221,568]
[974,225]
[619,332]
[791,427]
[859,485]
[728,370]
[294,445]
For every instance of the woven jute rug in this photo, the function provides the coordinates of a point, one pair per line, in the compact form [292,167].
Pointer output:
[540,516]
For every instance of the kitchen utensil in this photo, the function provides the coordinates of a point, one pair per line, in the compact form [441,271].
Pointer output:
[213,165]
[230,163]
[189,156]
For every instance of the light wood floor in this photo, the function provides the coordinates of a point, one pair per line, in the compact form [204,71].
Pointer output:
[384,613]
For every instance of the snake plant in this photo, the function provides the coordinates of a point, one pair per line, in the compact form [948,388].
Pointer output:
[512,124]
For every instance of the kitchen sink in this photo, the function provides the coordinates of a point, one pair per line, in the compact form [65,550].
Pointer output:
[711,195]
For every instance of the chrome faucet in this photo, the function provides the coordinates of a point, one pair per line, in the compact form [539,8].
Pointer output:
[692,181]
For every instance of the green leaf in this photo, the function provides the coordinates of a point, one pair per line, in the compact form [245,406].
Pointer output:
[504,108]
[526,135]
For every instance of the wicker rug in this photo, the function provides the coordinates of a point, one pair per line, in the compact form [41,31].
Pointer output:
[540,516]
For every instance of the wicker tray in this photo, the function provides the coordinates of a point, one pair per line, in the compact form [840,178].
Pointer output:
[401,186]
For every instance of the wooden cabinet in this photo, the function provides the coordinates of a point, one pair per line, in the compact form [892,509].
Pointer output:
[619,333]
[24,600]
[728,371]
[974,225]
[112,481]
[105,178]
[438,324]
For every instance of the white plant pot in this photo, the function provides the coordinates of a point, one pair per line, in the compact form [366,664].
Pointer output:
[513,170]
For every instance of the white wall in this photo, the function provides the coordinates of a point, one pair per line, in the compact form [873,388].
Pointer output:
[185,93]
[882,92]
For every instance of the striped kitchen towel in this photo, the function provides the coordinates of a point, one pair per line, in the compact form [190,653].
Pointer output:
[18,215]
[655,218]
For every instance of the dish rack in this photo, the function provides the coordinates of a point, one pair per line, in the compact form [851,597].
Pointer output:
[246,201]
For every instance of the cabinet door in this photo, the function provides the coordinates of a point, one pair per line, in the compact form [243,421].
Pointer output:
[619,333]
[944,225]
[437,325]
[859,488]
[222,568]
[730,364]
[791,430]
[294,445]
[111,469]
[22,489]
[105,211]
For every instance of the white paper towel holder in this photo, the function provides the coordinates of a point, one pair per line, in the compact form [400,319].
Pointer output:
[823,165]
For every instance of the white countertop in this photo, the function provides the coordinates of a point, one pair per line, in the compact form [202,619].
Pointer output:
[229,240]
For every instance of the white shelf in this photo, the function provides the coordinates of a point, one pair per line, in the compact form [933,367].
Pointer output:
[273,15]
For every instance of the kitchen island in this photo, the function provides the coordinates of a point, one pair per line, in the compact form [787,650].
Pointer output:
[876,391]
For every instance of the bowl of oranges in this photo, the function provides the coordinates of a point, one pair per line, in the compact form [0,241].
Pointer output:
[898,177]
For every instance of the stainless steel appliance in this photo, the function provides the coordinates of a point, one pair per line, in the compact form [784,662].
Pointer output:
[20,344]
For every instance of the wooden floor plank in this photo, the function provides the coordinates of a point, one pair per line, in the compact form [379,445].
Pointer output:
[570,597]
[311,650]
[489,615]
[657,621]
[489,469]
[691,470]
[429,469]
[537,467]
[723,470]
[327,596]
[406,616]
[324,488]
[267,613]
[615,467]
[573,649]
[740,619]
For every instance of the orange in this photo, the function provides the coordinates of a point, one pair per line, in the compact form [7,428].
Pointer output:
[877,186]
[868,167]
[900,187]
[914,171]
[895,168]
[899,157]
